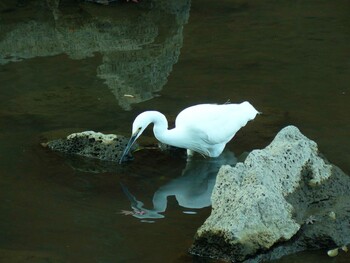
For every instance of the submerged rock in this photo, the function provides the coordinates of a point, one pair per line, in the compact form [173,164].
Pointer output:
[283,199]
[105,147]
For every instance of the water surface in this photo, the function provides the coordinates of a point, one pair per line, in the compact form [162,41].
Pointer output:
[66,67]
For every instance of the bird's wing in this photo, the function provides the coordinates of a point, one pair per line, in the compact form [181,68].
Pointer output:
[215,123]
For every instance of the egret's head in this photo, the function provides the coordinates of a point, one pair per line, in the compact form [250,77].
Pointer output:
[139,125]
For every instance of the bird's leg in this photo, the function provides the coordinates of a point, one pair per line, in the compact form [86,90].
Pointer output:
[190,153]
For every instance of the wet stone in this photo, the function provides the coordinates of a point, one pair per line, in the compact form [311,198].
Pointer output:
[283,199]
[90,144]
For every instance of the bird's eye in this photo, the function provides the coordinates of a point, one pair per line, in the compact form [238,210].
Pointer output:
[139,128]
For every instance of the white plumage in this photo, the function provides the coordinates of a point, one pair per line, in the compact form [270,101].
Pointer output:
[203,128]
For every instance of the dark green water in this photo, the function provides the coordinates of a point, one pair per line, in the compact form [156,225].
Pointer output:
[66,67]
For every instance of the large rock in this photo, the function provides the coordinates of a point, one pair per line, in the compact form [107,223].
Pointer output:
[282,199]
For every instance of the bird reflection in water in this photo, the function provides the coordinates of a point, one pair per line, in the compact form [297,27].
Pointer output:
[192,189]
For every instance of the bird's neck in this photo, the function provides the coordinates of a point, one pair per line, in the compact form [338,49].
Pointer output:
[160,129]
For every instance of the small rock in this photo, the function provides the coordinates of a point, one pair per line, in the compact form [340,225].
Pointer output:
[90,144]
[332,215]
[332,252]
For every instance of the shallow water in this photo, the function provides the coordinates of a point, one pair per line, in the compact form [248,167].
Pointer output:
[66,67]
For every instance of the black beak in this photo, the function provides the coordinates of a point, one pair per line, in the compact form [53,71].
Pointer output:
[128,146]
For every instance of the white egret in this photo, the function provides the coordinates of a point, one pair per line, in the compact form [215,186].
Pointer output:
[203,128]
